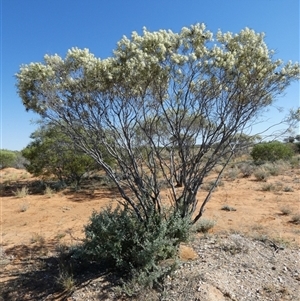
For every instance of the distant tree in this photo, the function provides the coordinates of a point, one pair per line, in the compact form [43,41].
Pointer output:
[52,153]
[10,158]
[271,151]
[203,91]
[7,158]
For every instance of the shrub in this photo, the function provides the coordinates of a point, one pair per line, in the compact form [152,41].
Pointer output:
[268,187]
[66,281]
[296,219]
[119,238]
[295,162]
[246,169]
[261,174]
[271,151]
[228,208]
[21,193]
[288,189]
[48,191]
[231,173]
[210,185]
[286,210]
[277,168]
[204,225]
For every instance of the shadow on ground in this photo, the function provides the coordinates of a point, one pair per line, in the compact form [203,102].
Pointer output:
[26,273]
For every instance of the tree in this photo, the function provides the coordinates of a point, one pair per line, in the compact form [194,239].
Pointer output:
[7,158]
[203,91]
[52,153]
[10,158]
[271,151]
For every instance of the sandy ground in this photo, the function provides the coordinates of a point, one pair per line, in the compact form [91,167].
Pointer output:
[60,217]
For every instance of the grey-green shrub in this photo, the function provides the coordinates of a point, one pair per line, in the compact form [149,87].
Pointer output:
[203,225]
[119,238]
[261,174]
[246,169]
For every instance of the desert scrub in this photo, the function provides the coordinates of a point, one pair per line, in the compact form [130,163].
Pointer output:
[268,187]
[118,238]
[65,281]
[203,225]
[246,169]
[296,219]
[228,208]
[277,168]
[231,173]
[261,174]
[285,210]
[218,168]
[295,162]
[48,191]
[288,189]
[271,151]
[21,193]
[211,185]
[37,238]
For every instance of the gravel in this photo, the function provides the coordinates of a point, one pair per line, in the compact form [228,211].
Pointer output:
[229,267]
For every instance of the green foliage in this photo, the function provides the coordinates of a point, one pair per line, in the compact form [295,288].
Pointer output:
[53,153]
[10,158]
[133,247]
[271,151]
[7,158]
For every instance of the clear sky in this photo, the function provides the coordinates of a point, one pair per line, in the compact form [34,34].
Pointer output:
[32,28]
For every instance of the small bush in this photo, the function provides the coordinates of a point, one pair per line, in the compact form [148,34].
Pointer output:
[271,151]
[277,168]
[228,208]
[261,174]
[38,238]
[118,238]
[272,169]
[48,191]
[295,162]
[286,210]
[288,189]
[246,169]
[66,281]
[231,173]
[268,187]
[211,185]
[204,225]
[296,219]
[21,193]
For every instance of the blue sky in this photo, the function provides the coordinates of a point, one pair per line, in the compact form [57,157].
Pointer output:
[31,28]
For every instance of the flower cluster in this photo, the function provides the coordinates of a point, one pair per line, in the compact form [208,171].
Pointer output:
[230,62]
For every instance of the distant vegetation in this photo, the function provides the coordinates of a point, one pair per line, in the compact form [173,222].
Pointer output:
[52,153]
[9,158]
[272,151]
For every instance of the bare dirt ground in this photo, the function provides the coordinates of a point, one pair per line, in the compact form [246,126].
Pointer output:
[33,226]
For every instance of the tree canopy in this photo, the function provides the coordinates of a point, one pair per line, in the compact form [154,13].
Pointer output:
[166,106]
[52,153]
